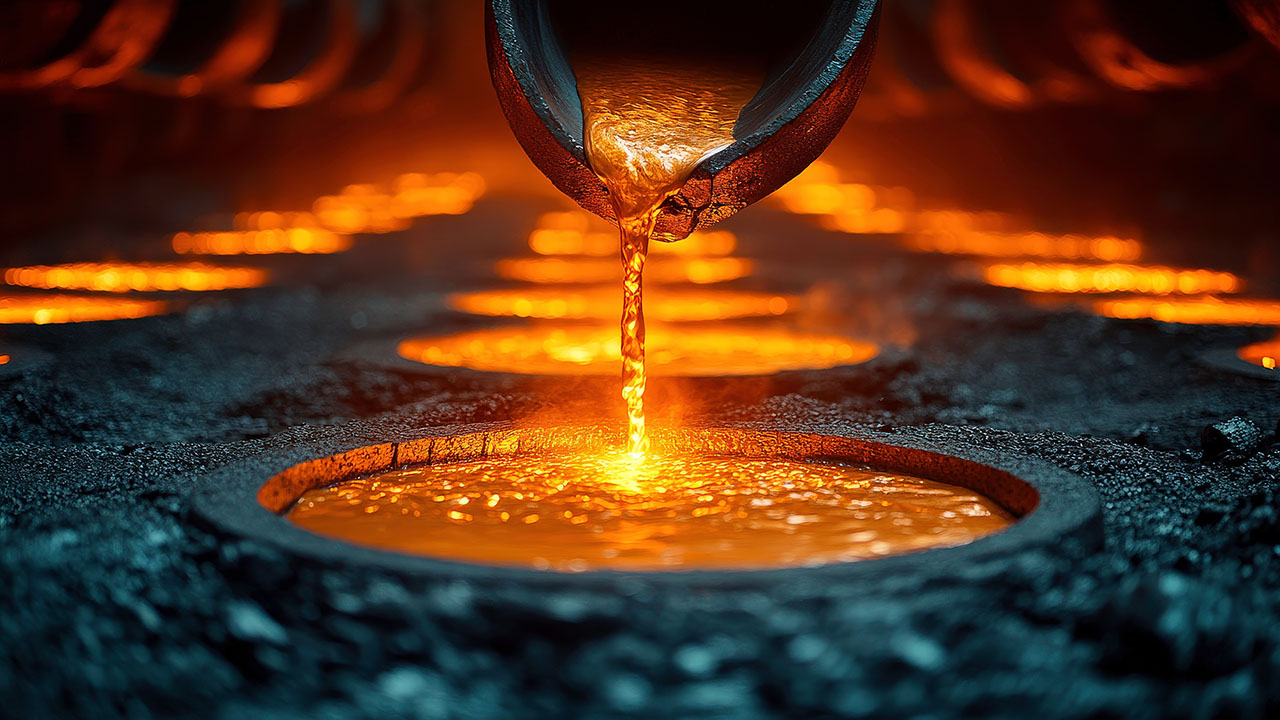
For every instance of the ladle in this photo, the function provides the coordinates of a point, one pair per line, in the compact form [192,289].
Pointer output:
[817,54]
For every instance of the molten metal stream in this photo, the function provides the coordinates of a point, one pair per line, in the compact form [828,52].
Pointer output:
[647,127]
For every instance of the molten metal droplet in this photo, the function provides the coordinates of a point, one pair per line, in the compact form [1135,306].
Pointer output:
[689,351]
[569,512]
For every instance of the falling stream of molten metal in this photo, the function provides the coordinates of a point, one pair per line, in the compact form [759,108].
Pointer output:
[647,127]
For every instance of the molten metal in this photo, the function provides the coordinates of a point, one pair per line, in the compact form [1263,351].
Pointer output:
[369,208]
[136,277]
[46,309]
[579,233]
[574,513]
[1032,244]
[1113,278]
[700,271]
[303,240]
[600,303]
[1264,353]
[683,351]
[1193,311]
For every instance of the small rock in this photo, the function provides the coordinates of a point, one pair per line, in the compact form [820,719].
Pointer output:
[1236,438]
[249,622]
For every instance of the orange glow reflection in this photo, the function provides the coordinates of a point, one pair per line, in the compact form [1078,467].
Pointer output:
[1070,278]
[1032,244]
[690,351]
[136,277]
[818,190]
[304,240]
[580,512]
[1194,311]
[673,269]
[1264,353]
[605,303]
[367,208]
[56,308]
[579,233]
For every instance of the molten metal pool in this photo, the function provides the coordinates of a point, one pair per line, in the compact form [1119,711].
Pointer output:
[605,510]
[721,349]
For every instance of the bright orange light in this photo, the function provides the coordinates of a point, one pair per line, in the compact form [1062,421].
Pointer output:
[419,194]
[818,191]
[367,208]
[579,512]
[55,308]
[701,271]
[304,240]
[679,350]
[4,359]
[1193,311]
[1264,353]
[966,221]
[577,233]
[1031,244]
[359,209]
[605,303]
[136,277]
[860,222]
[1069,278]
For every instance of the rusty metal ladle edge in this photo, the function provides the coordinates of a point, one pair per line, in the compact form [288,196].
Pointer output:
[784,128]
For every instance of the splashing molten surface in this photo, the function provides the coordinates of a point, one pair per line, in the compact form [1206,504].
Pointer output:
[578,512]
[690,351]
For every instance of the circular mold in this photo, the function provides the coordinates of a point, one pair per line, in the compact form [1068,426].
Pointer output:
[1055,509]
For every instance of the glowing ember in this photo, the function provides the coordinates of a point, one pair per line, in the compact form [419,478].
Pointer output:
[584,512]
[701,271]
[725,349]
[601,303]
[51,309]
[4,359]
[136,277]
[261,242]
[1194,311]
[1069,278]
[1031,244]
[1264,353]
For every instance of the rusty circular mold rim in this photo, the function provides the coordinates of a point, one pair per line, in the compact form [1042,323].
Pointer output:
[1053,506]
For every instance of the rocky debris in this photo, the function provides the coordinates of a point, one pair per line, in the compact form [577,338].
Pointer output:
[1232,440]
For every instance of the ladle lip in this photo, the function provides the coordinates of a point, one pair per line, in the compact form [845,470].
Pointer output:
[785,127]
[1060,512]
